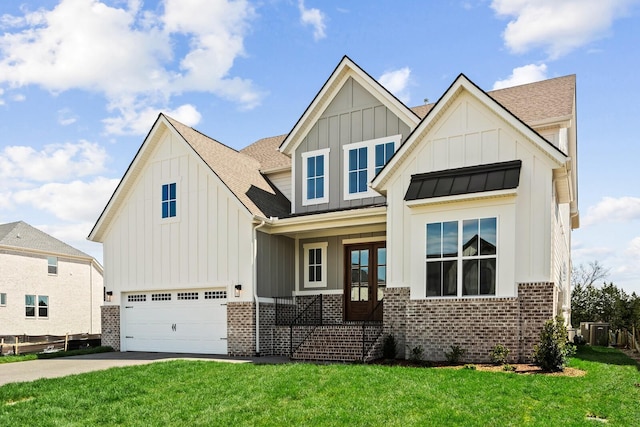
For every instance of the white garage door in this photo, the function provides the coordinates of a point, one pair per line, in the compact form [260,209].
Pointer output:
[193,321]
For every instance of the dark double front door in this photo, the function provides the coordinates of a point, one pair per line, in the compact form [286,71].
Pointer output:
[365,280]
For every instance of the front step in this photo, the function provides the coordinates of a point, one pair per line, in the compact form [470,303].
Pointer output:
[340,343]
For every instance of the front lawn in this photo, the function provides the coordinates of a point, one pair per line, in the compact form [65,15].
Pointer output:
[211,393]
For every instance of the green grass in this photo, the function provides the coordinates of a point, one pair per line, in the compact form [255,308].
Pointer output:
[25,357]
[191,393]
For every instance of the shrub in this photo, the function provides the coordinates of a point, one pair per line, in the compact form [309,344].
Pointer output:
[389,347]
[455,356]
[416,354]
[470,366]
[508,368]
[553,350]
[579,340]
[499,354]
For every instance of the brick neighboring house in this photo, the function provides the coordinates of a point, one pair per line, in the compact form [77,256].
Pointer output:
[444,224]
[46,286]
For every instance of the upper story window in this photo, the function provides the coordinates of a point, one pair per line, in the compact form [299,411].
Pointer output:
[3,299]
[363,160]
[169,198]
[315,177]
[461,257]
[52,265]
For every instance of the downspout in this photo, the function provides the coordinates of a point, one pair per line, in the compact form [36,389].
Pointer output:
[255,283]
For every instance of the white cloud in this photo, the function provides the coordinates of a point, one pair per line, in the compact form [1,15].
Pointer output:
[396,82]
[634,248]
[129,54]
[54,162]
[523,75]
[610,209]
[134,121]
[66,117]
[557,26]
[315,18]
[76,201]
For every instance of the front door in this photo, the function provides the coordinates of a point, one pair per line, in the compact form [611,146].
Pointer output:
[365,280]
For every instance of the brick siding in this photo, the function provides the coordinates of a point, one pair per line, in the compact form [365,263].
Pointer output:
[537,304]
[110,318]
[241,329]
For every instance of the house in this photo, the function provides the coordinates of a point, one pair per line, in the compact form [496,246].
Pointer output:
[444,224]
[46,286]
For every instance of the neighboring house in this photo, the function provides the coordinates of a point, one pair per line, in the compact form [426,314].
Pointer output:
[445,224]
[46,286]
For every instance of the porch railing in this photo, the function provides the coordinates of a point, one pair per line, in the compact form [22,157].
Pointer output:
[297,313]
[371,323]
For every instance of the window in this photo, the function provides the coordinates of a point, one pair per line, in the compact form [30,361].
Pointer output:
[3,299]
[187,295]
[215,294]
[161,297]
[461,258]
[137,298]
[43,306]
[169,200]
[315,264]
[363,161]
[52,265]
[315,177]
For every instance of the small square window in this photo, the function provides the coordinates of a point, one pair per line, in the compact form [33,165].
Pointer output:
[52,265]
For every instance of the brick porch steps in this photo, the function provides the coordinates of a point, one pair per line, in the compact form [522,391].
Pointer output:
[341,343]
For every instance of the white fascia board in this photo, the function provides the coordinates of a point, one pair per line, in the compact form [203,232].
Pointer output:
[463,197]
[348,218]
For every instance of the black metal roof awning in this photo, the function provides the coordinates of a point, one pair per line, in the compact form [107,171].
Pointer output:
[473,179]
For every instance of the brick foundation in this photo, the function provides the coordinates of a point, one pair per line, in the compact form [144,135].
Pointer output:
[110,320]
[241,329]
[474,324]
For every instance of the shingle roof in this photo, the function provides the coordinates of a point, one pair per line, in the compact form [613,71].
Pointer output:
[22,235]
[467,180]
[266,152]
[532,102]
[238,171]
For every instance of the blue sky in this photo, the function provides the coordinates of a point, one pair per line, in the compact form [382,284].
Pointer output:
[81,82]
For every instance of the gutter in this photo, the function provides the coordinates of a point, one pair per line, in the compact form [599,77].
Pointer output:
[255,283]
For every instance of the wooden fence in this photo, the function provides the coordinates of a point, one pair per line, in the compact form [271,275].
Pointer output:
[28,344]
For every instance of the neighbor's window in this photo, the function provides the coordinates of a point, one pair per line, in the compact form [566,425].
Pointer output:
[30,305]
[315,264]
[461,258]
[315,177]
[43,306]
[169,200]
[3,299]
[52,265]
[363,161]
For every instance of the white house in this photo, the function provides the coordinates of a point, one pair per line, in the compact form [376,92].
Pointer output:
[444,224]
[46,286]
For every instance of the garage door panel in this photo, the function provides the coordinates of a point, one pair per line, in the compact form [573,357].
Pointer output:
[184,326]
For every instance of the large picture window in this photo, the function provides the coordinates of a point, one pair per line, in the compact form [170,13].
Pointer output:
[315,177]
[461,258]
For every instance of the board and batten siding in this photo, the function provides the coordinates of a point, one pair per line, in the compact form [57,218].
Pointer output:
[468,133]
[335,258]
[282,181]
[276,265]
[208,244]
[354,115]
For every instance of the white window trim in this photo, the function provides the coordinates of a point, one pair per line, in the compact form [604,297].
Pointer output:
[323,152]
[170,219]
[459,261]
[371,164]
[305,248]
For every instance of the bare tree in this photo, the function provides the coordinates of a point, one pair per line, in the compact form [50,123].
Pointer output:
[587,275]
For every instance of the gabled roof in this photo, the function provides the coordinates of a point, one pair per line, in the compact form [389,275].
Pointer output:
[239,172]
[23,236]
[533,103]
[345,69]
[266,152]
[462,83]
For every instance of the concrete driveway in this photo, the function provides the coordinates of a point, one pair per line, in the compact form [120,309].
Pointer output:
[62,366]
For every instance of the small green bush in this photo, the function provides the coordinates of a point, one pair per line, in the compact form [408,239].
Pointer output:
[499,354]
[389,347]
[553,350]
[470,366]
[416,354]
[508,368]
[455,356]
